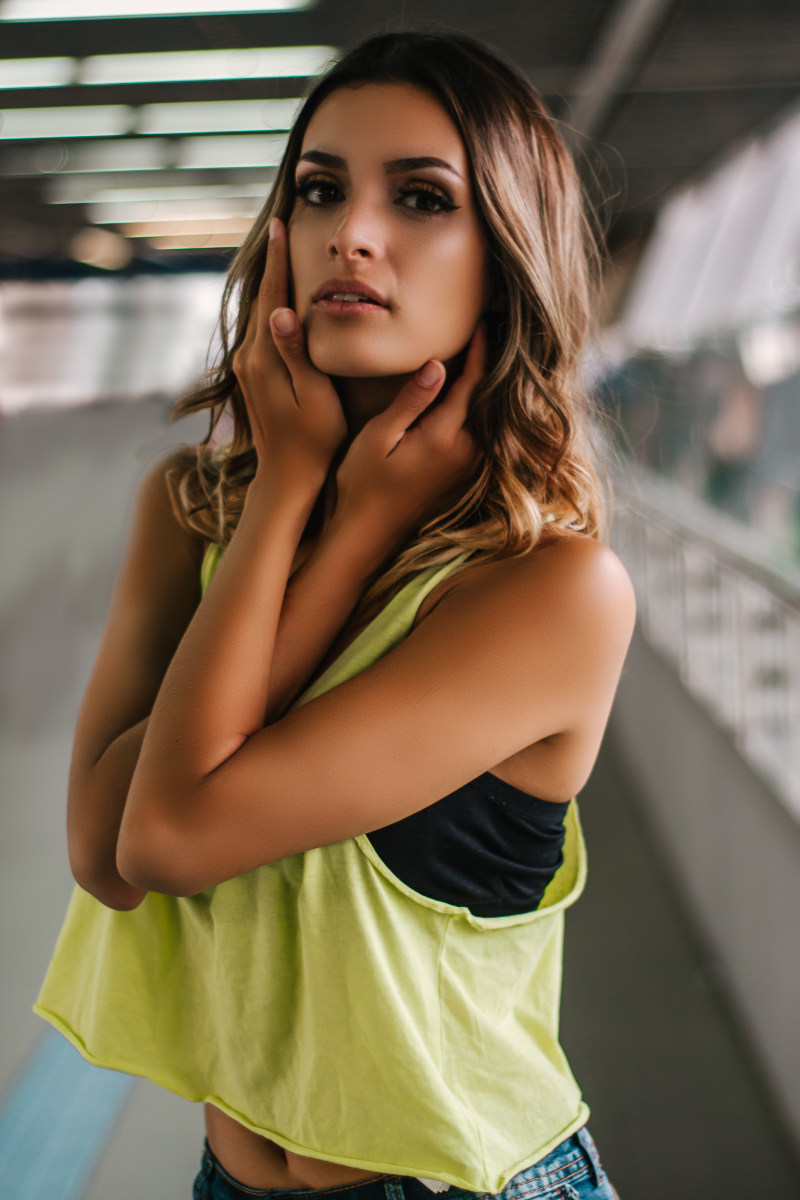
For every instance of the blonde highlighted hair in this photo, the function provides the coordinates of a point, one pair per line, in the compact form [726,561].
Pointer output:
[530,416]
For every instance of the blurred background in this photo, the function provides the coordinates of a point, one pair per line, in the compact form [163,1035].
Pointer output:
[137,141]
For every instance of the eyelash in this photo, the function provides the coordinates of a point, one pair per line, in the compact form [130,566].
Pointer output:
[304,188]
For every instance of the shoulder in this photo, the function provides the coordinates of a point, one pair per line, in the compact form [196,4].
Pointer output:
[555,623]
[156,592]
[158,514]
[160,567]
[567,577]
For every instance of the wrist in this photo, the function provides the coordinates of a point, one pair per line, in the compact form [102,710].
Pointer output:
[286,489]
[364,537]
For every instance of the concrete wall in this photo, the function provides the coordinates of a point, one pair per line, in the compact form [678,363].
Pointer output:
[733,850]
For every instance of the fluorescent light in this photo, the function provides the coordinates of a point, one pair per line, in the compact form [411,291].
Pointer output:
[101,248]
[261,151]
[258,153]
[206,234]
[36,72]
[279,62]
[202,241]
[217,116]
[128,154]
[244,208]
[187,225]
[90,120]
[54,10]
[76,190]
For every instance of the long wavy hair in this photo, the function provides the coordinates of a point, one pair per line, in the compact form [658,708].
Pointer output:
[530,416]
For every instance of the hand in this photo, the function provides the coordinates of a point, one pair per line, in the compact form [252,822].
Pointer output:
[404,467]
[295,415]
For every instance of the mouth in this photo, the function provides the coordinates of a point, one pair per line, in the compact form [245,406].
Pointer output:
[348,292]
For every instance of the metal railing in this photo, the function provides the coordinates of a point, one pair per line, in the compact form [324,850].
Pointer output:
[727,620]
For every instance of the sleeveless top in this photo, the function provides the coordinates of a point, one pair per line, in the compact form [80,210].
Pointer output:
[324,1003]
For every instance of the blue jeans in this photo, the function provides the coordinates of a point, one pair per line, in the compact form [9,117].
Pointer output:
[570,1172]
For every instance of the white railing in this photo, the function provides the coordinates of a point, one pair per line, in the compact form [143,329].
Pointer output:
[728,620]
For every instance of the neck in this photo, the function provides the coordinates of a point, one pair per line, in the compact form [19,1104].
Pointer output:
[363,399]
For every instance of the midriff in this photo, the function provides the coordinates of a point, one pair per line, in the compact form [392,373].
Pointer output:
[258,1162]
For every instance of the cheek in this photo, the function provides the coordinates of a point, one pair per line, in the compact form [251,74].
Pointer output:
[299,265]
[457,292]
[295,272]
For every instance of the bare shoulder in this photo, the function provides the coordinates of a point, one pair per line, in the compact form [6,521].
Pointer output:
[155,503]
[581,573]
[160,572]
[156,592]
[570,576]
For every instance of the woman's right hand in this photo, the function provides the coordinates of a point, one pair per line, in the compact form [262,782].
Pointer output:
[296,419]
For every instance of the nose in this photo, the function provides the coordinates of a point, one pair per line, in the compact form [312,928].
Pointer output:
[358,234]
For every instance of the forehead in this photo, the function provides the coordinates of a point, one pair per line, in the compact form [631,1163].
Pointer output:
[386,120]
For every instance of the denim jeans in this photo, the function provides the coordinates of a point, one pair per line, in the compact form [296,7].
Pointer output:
[570,1172]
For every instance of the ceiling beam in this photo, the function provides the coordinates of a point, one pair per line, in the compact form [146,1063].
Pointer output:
[620,48]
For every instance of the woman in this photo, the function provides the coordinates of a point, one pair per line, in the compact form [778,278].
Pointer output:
[321,818]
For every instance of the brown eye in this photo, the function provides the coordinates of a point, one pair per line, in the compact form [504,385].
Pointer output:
[428,200]
[317,192]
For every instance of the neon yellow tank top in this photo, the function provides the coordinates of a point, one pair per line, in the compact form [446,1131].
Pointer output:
[323,1003]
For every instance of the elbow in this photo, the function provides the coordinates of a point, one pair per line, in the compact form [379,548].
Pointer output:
[107,885]
[151,858]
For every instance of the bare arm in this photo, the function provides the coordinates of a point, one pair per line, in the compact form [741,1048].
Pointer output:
[530,651]
[155,594]
[381,497]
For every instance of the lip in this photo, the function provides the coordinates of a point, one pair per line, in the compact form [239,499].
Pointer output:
[348,286]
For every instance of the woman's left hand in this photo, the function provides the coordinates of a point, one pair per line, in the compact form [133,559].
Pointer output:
[407,464]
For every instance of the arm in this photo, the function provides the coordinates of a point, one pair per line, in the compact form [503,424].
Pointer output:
[155,594]
[382,495]
[319,598]
[530,650]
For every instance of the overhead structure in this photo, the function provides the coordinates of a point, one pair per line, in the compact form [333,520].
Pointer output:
[188,101]
[629,29]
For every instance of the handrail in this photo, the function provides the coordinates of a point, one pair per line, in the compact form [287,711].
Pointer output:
[737,544]
[725,617]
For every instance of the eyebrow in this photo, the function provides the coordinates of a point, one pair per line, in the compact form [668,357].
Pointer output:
[393,167]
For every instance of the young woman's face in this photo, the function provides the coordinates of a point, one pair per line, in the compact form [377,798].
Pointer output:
[385,213]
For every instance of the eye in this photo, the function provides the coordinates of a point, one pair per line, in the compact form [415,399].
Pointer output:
[423,198]
[317,191]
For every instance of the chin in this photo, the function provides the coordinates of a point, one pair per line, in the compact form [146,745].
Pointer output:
[336,360]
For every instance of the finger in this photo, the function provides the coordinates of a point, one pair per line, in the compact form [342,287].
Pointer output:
[412,400]
[242,352]
[455,407]
[475,363]
[290,341]
[477,354]
[273,291]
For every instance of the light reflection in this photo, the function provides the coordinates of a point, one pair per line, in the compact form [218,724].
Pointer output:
[275,62]
[76,10]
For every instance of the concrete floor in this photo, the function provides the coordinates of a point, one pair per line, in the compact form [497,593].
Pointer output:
[678,1107]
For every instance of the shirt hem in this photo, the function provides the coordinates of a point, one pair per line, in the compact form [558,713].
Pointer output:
[481,1187]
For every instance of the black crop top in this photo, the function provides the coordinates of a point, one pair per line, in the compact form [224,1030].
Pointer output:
[488,847]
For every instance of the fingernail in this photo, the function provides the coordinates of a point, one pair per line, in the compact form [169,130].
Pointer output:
[284,320]
[273,228]
[429,374]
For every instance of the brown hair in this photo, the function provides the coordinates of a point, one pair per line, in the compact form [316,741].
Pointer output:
[530,416]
